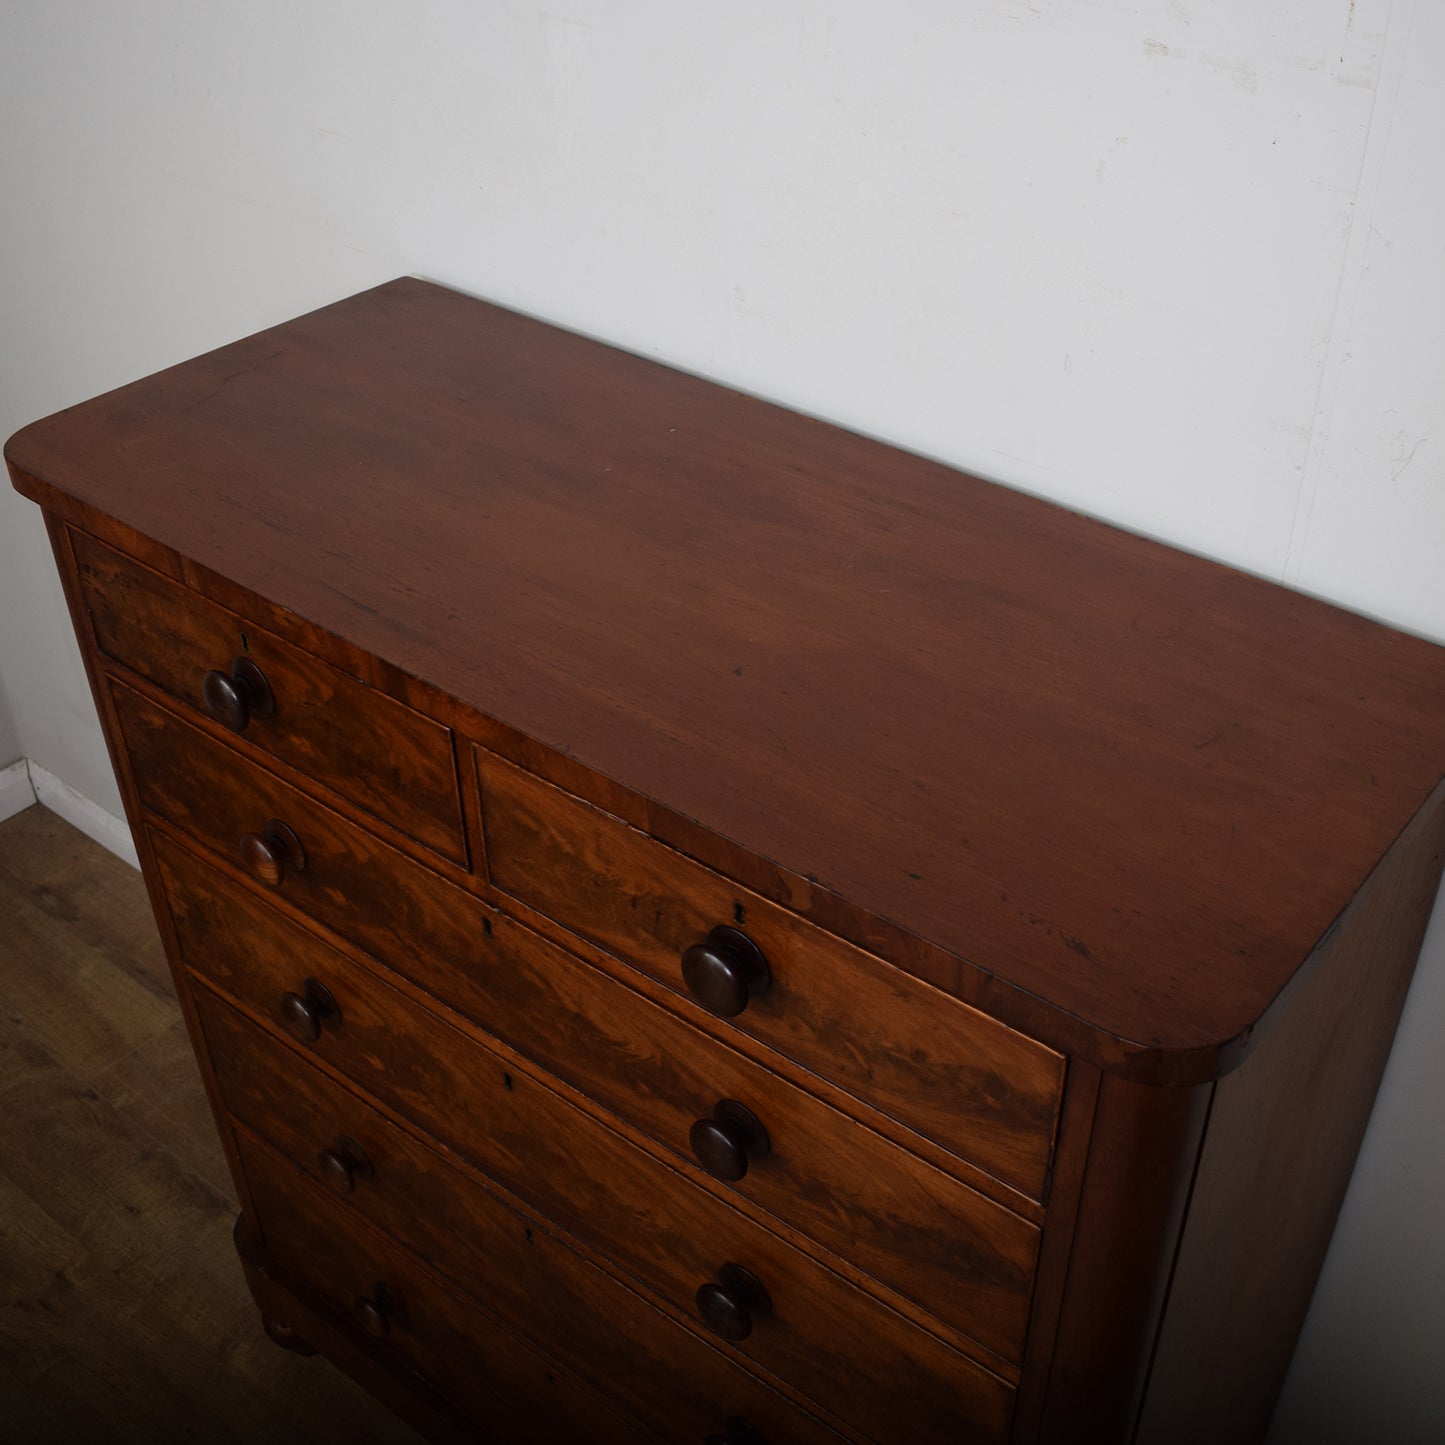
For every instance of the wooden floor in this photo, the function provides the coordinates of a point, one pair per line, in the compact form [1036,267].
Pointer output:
[123,1314]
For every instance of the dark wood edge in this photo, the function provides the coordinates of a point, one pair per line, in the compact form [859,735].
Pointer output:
[406,1394]
[1281,1007]
[453,870]
[1144,1150]
[1081,1092]
[457,861]
[514,1062]
[1135,1060]
[1271,1178]
[150,873]
[896,1131]
[367,1227]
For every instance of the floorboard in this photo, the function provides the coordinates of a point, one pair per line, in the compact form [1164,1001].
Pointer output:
[123,1313]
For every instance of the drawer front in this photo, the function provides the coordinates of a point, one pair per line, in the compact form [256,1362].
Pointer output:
[588,1320]
[443,1337]
[962,1256]
[919,1230]
[989,1094]
[823,1336]
[390,760]
[668,1377]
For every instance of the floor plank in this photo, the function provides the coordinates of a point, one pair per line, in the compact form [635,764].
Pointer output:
[123,1313]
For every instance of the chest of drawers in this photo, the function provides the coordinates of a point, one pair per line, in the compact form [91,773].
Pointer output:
[697,926]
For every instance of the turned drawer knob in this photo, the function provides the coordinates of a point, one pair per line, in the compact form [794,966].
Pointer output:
[304,1013]
[378,1310]
[736,1431]
[344,1163]
[269,854]
[727,1307]
[234,698]
[725,1143]
[725,970]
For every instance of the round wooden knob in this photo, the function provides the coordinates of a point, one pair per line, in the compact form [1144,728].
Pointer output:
[728,1306]
[725,1143]
[234,698]
[273,852]
[378,1311]
[724,971]
[344,1163]
[304,1013]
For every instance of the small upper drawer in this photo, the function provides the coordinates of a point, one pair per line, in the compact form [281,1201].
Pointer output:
[982,1090]
[396,763]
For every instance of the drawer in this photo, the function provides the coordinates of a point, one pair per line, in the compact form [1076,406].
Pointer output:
[417,1320]
[382,755]
[980,1089]
[850,1355]
[665,1375]
[922,1232]
[824,1336]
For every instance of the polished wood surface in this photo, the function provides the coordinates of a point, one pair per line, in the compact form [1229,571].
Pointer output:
[582,1175]
[987,1092]
[516,1264]
[819,1338]
[514,1390]
[898,972]
[1152,783]
[351,880]
[122,1315]
[954,1251]
[1284,1130]
[393,761]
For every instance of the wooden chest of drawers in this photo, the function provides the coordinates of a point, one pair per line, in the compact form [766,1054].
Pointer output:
[697,926]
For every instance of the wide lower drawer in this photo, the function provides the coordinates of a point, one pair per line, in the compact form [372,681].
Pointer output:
[920,1231]
[422,1324]
[983,1090]
[666,1376]
[382,755]
[856,1360]
[823,1335]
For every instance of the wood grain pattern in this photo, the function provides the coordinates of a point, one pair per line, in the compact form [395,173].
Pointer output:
[857,1364]
[376,897]
[660,1227]
[514,1392]
[523,1270]
[1116,799]
[287,1306]
[1143,1149]
[352,880]
[345,735]
[985,1091]
[732,610]
[1283,1133]
[123,1316]
[963,1257]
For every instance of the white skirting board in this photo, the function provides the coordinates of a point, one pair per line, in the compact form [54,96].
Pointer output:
[26,782]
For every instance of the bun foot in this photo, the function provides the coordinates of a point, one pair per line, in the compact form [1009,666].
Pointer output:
[286,1337]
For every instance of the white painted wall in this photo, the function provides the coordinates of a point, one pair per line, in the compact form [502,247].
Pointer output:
[9,733]
[1180,264]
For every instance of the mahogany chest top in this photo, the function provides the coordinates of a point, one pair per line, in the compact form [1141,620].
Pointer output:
[1109,791]
[697,925]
